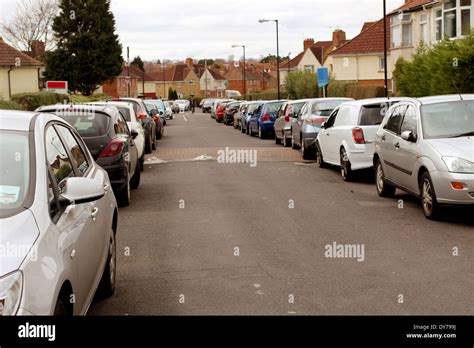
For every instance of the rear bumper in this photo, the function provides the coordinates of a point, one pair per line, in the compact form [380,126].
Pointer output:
[116,175]
[445,193]
[267,127]
[361,156]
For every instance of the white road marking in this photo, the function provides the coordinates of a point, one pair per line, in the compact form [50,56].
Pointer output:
[185,118]
[257,285]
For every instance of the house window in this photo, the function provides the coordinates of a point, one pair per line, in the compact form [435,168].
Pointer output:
[191,82]
[439,25]
[401,30]
[466,8]
[449,16]
[456,18]
[381,64]
[424,33]
[309,68]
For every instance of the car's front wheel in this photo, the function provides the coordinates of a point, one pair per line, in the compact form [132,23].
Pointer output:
[383,189]
[428,197]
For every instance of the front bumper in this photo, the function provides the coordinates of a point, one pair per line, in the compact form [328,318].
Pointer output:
[446,194]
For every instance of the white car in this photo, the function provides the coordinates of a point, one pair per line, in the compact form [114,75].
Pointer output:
[58,219]
[184,105]
[347,138]
[128,112]
[169,110]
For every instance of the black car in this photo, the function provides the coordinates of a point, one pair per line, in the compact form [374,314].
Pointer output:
[230,110]
[111,143]
[147,121]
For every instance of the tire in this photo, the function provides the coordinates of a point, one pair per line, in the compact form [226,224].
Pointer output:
[135,181]
[307,154]
[148,147]
[123,196]
[383,189]
[60,310]
[154,144]
[108,281]
[286,141]
[319,157]
[278,140]
[346,171]
[141,162]
[242,130]
[293,144]
[430,205]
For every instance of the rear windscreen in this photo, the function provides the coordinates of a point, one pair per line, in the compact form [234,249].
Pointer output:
[92,125]
[273,107]
[372,115]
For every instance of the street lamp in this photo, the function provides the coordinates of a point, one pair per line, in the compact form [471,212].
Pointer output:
[244,81]
[385,46]
[278,50]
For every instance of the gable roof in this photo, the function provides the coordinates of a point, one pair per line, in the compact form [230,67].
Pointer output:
[369,41]
[237,74]
[216,75]
[411,6]
[8,55]
[320,50]
[136,72]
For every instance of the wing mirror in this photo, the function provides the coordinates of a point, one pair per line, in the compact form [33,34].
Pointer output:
[409,136]
[323,125]
[80,191]
[134,134]
[154,112]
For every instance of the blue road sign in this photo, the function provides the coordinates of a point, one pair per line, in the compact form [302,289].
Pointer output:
[323,77]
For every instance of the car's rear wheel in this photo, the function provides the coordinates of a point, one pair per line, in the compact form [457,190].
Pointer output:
[293,144]
[148,148]
[428,197]
[123,196]
[383,189]
[242,129]
[286,141]
[108,281]
[141,162]
[135,182]
[346,170]
[278,140]
[261,135]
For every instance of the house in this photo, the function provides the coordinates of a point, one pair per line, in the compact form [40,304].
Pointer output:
[253,80]
[428,22]
[19,73]
[213,83]
[121,86]
[145,83]
[184,78]
[362,58]
[314,55]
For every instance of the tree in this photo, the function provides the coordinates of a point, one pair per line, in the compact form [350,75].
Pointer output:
[210,62]
[172,94]
[88,50]
[302,85]
[445,68]
[31,22]
[138,62]
[269,58]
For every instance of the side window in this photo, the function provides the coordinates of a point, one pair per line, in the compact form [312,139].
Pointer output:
[332,119]
[344,116]
[395,120]
[120,127]
[303,110]
[74,148]
[409,121]
[57,158]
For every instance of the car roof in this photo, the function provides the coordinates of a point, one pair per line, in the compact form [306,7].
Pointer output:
[107,110]
[20,120]
[370,101]
[444,98]
[112,103]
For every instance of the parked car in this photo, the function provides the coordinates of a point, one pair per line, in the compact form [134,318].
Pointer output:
[161,107]
[110,142]
[286,113]
[128,113]
[207,105]
[346,139]
[183,105]
[220,110]
[307,124]
[174,107]
[57,206]
[238,116]
[146,120]
[157,116]
[246,112]
[169,110]
[425,147]
[214,107]
[262,121]
[230,110]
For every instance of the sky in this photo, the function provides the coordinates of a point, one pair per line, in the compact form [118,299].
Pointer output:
[157,29]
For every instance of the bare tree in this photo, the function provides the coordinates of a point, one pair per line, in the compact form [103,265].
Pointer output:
[31,22]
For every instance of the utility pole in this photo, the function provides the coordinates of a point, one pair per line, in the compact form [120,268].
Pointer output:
[164,79]
[128,68]
[278,51]
[205,76]
[385,46]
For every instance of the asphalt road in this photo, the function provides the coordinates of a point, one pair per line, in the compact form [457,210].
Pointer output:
[202,237]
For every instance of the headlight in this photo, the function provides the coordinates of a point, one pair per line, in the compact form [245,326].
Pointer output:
[459,165]
[10,293]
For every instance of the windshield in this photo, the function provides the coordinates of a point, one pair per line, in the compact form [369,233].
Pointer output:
[14,170]
[448,120]
[273,107]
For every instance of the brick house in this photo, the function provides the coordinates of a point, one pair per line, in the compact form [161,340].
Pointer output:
[215,84]
[253,80]
[122,86]
[19,73]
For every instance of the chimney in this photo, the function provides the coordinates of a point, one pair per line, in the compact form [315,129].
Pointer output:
[308,43]
[38,49]
[189,62]
[338,37]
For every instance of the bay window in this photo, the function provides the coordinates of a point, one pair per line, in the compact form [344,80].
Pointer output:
[454,20]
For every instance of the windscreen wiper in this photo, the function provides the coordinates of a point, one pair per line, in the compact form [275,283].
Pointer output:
[463,135]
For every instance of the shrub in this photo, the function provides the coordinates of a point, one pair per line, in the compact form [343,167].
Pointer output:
[32,101]
[79,99]
[271,94]
[339,88]
[302,85]
[9,105]
[365,92]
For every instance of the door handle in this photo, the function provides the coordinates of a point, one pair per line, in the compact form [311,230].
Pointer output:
[95,213]
[106,187]
[397,145]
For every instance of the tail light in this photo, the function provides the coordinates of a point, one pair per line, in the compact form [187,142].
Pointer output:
[315,120]
[141,116]
[113,148]
[287,118]
[266,117]
[358,135]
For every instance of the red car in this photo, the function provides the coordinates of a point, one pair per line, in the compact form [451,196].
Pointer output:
[220,111]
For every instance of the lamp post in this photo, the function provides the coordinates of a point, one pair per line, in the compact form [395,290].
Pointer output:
[385,46]
[244,80]
[278,50]
[164,79]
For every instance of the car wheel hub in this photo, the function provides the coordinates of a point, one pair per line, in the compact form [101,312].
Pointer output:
[427,196]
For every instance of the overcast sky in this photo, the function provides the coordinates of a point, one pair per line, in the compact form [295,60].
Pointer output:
[156,29]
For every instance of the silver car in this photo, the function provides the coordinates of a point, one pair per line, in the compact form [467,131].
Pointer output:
[58,219]
[426,147]
[306,125]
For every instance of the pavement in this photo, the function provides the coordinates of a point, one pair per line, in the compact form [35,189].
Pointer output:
[206,238]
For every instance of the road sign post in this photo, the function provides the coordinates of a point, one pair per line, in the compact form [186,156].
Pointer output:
[323,79]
